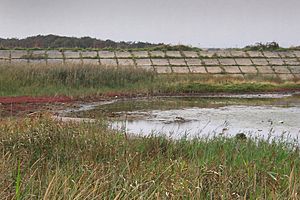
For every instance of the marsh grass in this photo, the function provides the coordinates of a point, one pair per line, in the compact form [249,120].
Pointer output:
[89,161]
[67,79]
[85,80]
[18,182]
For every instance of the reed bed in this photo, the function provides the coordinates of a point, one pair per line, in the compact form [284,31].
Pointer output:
[90,80]
[44,159]
[57,79]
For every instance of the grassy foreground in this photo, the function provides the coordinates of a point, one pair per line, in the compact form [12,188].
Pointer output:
[43,159]
[26,80]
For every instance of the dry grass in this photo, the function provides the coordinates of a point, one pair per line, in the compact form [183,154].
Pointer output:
[88,161]
[67,79]
[89,80]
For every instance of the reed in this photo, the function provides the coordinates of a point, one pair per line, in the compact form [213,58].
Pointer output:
[89,80]
[88,161]
[67,79]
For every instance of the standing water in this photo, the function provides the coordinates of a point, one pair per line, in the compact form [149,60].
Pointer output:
[176,117]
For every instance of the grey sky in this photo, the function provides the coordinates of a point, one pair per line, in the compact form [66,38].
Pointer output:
[205,23]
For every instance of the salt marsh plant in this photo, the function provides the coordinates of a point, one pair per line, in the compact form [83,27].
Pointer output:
[56,78]
[89,80]
[88,161]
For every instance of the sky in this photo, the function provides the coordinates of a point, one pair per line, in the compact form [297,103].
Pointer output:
[201,23]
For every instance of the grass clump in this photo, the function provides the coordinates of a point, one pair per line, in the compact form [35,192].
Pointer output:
[89,80]
[243,87]
[69,161]
[193,84]
[67,79]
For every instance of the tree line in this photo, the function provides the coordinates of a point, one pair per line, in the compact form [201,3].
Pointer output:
[55,41]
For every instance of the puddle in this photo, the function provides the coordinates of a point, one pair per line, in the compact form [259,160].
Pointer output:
[227,120]
[265,115]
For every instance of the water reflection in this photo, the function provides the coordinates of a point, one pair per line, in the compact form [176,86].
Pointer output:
[229,120]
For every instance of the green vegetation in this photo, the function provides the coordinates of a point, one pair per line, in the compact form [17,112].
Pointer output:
[229,87]
[76,80]
[43,159]
[68,80]
[269,46]
[50,42]
[40,42]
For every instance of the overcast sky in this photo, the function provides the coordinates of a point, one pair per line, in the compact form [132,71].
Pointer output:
[204,23]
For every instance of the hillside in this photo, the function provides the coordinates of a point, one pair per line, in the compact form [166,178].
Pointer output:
[55,41]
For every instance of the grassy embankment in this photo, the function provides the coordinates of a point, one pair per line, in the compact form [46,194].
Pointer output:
[20,80]
[43,159]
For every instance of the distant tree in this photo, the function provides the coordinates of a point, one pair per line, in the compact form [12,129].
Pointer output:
[269,46]
[55,41]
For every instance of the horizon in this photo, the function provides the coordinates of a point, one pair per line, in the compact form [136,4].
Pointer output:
[144,41]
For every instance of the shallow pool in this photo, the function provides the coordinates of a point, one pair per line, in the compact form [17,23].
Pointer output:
[271,115]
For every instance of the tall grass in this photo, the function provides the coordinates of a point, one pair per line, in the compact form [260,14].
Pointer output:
[77,80]
[18,182]
[88,161]
[16,79]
